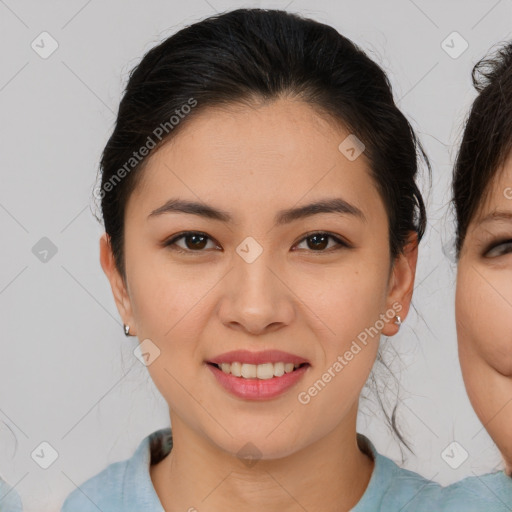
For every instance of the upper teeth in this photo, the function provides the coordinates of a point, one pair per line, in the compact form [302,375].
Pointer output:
[260,371]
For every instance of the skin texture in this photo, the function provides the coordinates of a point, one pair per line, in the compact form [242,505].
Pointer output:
[253,162]
[484,312]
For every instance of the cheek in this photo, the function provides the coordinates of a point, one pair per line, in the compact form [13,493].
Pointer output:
[484,319]
[170,311]
[351,308]
[167,299]
[169,308]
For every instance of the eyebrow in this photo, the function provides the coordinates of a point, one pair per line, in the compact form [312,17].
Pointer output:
[497,215]
[329,205]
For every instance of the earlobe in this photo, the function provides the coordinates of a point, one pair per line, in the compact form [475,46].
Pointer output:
[393,324]
[117,283]
[402,285]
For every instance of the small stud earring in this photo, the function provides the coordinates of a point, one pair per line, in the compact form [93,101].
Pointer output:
[126,330]
[398,321]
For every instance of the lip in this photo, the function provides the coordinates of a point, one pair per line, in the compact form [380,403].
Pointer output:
[265,356]
[257,389]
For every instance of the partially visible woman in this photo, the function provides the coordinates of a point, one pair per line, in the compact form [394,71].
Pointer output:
[482,196]
[10,500]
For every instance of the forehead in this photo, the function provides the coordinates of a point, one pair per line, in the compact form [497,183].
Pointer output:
[256,157]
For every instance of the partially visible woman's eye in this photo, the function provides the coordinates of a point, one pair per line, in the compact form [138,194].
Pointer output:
[319,241]
[499,249]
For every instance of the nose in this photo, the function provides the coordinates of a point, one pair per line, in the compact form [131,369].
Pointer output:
[256,298]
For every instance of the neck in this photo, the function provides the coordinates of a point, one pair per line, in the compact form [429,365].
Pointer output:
[331,474]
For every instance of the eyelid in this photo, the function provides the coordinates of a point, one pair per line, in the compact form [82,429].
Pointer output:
[495,244]
[338,239]
[183,234]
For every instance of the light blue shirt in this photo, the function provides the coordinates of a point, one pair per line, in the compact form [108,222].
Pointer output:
[9,499]
[126,486]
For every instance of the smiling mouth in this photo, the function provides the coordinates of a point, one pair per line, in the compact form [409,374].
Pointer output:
[263,371]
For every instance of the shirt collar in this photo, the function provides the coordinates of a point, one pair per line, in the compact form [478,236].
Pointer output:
[154,447]
[138,487]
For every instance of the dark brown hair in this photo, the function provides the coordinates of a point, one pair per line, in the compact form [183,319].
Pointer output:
[487,138]
[255,54]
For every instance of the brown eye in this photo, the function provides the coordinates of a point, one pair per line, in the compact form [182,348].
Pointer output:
[193,242]
[499,249]
[319,241]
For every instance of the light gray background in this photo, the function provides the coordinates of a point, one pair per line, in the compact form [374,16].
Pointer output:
[67,372]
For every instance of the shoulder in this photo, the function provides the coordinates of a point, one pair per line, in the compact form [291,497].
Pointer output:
[124,485]
[394,488]
[406,490]
[102,491]
[492,492]
[10,500]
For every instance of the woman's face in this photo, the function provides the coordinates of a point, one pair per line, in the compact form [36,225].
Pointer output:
[257,280]
[484,311]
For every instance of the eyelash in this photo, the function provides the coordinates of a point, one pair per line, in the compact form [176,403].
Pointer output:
[184,234]
[494,245]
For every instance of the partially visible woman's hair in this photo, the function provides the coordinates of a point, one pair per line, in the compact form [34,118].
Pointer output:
[487,138]
[250,56]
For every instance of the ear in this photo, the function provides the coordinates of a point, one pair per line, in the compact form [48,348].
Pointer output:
[117,283]
[401,283]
